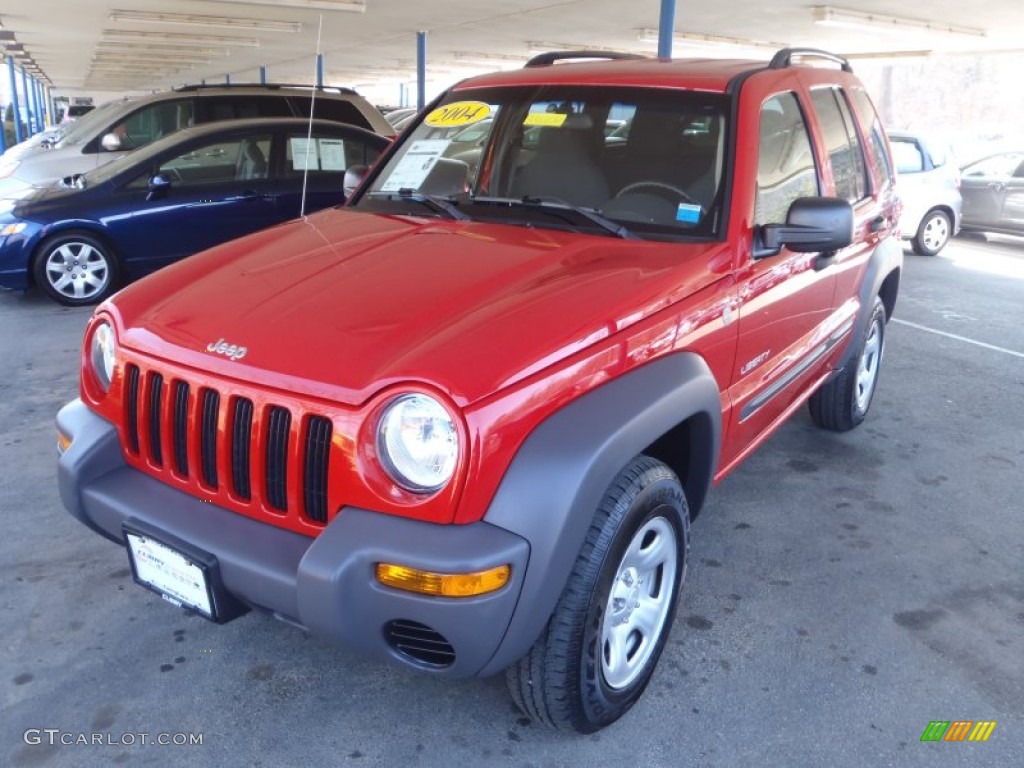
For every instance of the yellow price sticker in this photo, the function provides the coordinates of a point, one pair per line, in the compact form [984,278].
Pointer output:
[458,114]
[547,119]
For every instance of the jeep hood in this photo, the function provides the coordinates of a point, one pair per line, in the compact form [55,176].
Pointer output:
[344,303]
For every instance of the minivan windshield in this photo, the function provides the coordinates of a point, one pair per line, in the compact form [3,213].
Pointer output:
[557,156]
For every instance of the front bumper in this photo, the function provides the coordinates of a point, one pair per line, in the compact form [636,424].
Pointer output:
[326,584]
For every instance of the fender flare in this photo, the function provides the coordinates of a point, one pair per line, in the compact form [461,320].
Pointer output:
[557,479]
[884,260]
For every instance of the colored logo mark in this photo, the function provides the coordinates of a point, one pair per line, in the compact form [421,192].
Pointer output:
[958,730]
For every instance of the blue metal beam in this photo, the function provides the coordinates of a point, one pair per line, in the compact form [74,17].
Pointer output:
[319,70]
[28,104]
[666,27]
[14,101]
[40,105]
[421,69]
[227,79]
[263,75]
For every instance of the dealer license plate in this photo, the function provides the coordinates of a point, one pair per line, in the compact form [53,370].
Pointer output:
[170,574]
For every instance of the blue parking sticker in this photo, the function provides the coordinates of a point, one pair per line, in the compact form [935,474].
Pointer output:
[688,214]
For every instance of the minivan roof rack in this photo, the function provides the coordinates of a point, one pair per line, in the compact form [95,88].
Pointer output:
[270,86]
[547,59]
[784,58]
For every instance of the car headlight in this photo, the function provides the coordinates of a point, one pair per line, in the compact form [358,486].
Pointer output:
[102,355]
[418,443]
[12,229]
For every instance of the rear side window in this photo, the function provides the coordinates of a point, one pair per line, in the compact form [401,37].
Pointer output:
[325,154]
[336,110]
[906,155]
[842,143]
[239,107]
[785,162]
[878,158]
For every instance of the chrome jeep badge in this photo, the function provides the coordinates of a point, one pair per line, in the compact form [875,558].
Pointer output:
[230,351]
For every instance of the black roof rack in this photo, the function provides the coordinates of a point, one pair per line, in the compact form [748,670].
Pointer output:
[270,86]
[784,58]
[547,59]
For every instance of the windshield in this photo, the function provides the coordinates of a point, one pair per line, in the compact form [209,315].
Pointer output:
[517,154]
[83,128]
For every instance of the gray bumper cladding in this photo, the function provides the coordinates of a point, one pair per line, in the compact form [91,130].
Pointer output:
[326,584]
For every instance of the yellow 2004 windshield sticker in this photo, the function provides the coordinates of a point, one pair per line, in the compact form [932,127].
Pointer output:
[457,114]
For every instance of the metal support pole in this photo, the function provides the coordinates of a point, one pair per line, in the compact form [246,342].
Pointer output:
[40,105]
[666,27]
[263,75]
[14,101]
[28,104]
[421,69]
[227,79]
[50,112]
[319,70]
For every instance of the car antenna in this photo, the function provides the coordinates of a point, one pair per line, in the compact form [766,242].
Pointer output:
[312,105]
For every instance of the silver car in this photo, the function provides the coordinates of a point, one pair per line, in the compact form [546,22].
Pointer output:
[929,184]
[121,126]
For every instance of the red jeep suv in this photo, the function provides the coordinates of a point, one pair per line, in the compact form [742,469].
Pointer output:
[464,421]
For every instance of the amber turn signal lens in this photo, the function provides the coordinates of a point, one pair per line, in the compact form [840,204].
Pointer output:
[63,442]
[443,584]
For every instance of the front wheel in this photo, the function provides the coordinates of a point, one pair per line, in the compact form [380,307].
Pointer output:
[842,402]
[933,234]
[76,269]
[602,643]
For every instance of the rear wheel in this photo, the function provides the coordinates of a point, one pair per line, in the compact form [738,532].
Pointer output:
[933,234]
[602,643]
[842,402]
[76,269]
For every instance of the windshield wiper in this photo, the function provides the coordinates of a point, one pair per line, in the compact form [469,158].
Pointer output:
[557,207]
[434,202]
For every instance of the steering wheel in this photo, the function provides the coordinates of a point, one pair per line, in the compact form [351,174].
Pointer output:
[659,186]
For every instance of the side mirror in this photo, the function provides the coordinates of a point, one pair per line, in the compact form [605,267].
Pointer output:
[812,224]
[354,176]
[111,142]
[159,185]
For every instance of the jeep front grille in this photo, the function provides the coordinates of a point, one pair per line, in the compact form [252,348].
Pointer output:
[269,458]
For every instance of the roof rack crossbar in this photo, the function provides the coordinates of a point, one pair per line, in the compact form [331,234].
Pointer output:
[784,58]
[547,59]
[271,86]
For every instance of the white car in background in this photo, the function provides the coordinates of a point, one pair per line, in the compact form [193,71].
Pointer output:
[928,180]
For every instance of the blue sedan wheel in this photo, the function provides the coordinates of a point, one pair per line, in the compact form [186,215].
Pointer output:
[76,269]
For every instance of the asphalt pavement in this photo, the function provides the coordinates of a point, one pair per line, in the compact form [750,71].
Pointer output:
[844,592]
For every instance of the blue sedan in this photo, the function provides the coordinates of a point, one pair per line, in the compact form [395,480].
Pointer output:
[196,188]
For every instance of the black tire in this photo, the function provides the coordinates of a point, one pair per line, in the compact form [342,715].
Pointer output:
[563,682]
[76,269]
[933,233]
[842,402]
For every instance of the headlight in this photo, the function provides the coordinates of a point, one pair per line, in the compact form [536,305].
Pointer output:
[12,229]
[418,443]
[102,355]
